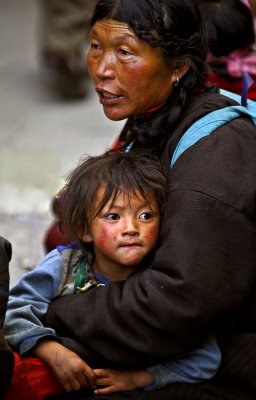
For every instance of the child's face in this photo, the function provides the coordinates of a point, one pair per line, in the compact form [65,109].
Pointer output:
[124,233]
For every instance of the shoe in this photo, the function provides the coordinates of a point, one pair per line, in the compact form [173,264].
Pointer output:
[5,258]
[69,74]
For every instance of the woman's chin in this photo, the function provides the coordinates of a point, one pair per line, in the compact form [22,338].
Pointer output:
[115,115]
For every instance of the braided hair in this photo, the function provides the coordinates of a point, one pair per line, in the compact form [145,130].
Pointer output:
[177,29]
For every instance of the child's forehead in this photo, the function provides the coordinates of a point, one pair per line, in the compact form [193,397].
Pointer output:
[124,196]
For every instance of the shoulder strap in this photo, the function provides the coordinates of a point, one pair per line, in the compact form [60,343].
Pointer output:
[212,121]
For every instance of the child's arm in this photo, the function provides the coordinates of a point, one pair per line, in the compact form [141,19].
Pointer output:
[197,366]
[113,381]
[70,370]
[28,302]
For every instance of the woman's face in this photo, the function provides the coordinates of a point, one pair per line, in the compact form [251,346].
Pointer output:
[130,76]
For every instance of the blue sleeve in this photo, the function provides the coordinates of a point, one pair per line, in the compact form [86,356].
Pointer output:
[197,366]
[29,301]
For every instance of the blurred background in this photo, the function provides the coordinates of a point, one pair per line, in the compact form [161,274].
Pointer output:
[42,136]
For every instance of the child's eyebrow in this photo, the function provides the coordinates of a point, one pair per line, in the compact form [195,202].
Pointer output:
[121,207]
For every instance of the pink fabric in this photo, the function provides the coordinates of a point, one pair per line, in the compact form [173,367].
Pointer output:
[246,2]
[236,63]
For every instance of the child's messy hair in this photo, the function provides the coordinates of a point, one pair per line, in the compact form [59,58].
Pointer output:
[116,172]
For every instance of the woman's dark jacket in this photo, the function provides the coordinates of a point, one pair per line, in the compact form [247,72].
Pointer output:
[203,278]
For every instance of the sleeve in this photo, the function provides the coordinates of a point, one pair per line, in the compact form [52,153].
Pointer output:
[29,301]
[204,266]
[197,366]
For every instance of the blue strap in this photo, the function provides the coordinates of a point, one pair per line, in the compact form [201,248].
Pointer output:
[212,121]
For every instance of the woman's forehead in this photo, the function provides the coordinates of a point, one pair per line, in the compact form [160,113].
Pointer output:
[113,27]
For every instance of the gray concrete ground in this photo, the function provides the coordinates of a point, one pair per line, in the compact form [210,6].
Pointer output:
[41,137]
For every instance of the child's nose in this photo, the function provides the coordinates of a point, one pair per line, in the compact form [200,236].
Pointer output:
[130,228]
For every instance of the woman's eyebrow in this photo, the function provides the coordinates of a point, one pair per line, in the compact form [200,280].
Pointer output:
[128,37]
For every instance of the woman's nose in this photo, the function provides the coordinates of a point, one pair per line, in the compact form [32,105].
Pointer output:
[105,68]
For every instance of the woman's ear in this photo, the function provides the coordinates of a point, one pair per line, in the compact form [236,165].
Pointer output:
[179,70]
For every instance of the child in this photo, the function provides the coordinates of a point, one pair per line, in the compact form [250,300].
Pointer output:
[231,38]
[111,205]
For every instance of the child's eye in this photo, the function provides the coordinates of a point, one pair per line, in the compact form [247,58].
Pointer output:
[112,217]
[146,215]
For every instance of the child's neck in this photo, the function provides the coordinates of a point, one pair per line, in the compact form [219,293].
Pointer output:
[112,271]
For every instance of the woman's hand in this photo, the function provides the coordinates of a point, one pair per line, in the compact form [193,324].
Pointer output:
[70,370]
[119,381]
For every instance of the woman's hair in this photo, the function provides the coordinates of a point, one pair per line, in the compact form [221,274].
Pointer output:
[229,24]
[129,173]
[177,29]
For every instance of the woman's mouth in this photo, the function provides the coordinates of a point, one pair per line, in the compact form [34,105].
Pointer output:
[109,95]
[108,98]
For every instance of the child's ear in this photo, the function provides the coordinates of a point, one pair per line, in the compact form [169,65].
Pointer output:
[86,237]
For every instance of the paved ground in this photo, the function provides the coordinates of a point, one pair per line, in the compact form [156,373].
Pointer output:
[41,137]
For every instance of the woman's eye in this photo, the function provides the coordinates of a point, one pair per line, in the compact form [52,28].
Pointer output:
[146,215]
[124,52]
[94,46]
[112,217]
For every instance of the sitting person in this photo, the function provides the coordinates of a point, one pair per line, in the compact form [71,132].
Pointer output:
[111,205]
[6,355]
[230,39]
[231,36]
[146,61]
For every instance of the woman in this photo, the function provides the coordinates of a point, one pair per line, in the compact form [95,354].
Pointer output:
[146,60]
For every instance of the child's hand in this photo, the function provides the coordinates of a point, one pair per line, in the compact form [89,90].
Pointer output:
[119,381]
[71,371]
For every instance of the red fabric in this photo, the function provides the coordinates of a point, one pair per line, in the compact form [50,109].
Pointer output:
[116,143]
[232,84]
[54,238]
[32,380]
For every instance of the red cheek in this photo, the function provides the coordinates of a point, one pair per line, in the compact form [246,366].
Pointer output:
[152,234]
[103,238]
[102,242]
[134,73]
